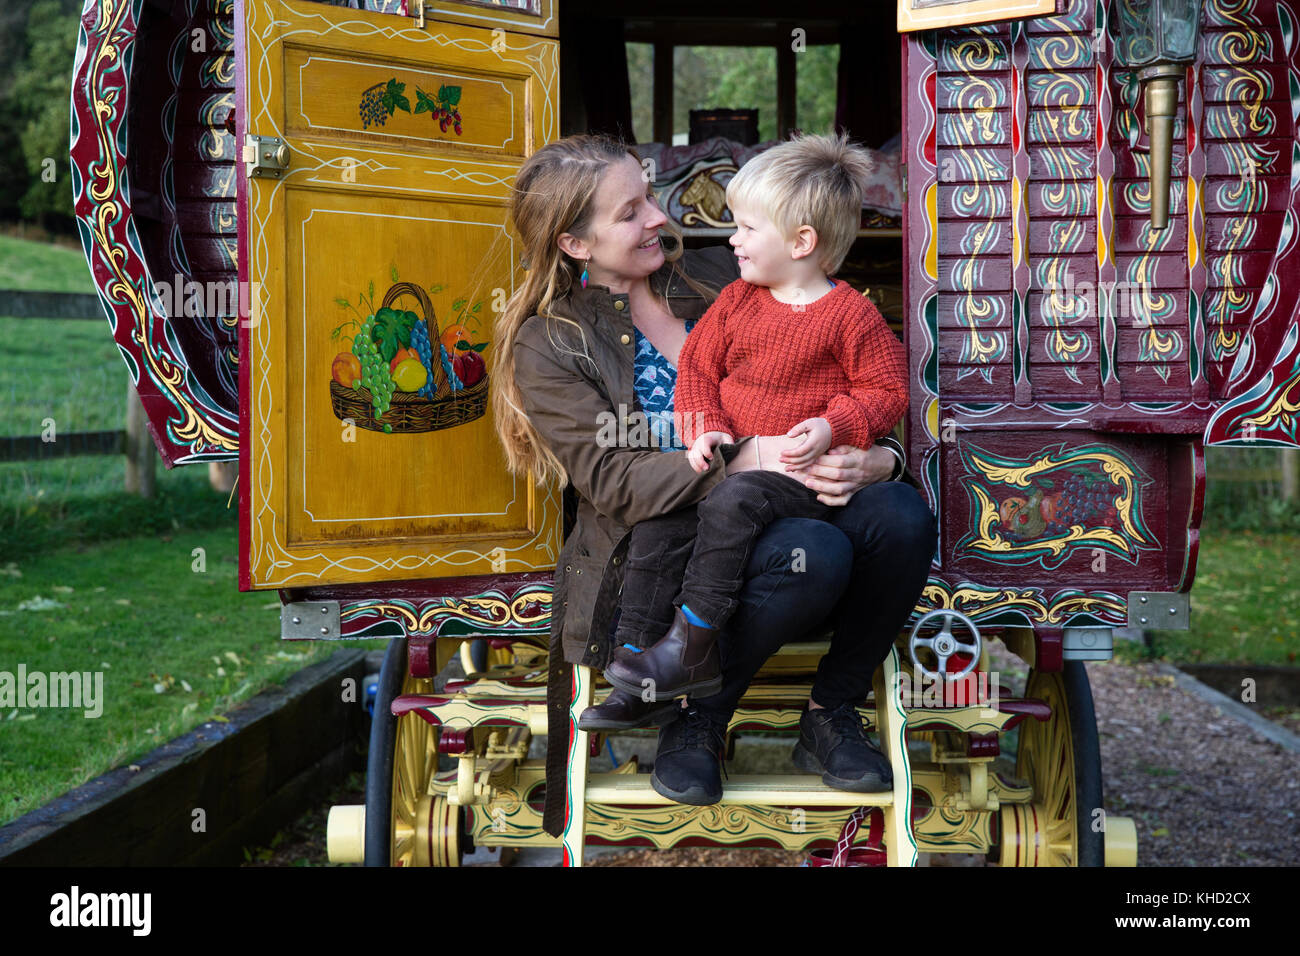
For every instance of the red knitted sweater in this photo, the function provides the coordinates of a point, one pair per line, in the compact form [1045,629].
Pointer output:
[756,366]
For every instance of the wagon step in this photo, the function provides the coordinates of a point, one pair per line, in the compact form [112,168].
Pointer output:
[757,790]
[586,790]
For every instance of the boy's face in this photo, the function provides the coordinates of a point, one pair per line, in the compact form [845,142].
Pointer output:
[763,254]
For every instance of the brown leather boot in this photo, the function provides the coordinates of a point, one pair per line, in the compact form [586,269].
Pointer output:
[624,711]
[683,661]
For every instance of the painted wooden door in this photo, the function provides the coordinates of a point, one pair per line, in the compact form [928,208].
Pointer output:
[375,262]
[1068,361]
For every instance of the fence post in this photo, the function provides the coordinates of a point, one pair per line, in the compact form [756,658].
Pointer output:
[1290,474]
[141,456]
[221,475]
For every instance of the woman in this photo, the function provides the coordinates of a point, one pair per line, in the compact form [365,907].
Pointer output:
[599,283]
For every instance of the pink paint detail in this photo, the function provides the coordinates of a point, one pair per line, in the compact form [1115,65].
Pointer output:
[241,254]
[1098,127]
[1016,112]
[931,78]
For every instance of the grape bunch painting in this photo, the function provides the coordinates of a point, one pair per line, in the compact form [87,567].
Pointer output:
[1051,503]
[385,98]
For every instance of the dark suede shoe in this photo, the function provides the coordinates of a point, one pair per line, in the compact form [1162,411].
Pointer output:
[689,759]
[624,711]
[833,742]
[683,661]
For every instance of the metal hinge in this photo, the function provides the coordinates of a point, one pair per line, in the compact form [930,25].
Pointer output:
[1161,610]
[265,157]
[310,620]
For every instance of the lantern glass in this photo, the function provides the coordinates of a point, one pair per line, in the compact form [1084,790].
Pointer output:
[1152,30]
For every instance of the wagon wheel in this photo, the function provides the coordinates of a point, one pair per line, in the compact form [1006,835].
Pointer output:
[1061,758]
[405,824]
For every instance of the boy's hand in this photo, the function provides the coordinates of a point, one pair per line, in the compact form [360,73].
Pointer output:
[701,452]
[816,435]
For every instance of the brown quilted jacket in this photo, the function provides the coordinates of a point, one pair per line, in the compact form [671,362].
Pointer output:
[569,398]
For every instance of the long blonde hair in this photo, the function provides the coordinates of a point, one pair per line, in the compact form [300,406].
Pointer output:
[554,193]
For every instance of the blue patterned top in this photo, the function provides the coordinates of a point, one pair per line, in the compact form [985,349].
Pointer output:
[654,382]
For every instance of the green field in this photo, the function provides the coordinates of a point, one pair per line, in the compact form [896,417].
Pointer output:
[68,370]
[162,619]
[42,267]
[1245,603]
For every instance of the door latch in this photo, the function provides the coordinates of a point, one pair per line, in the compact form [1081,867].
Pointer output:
[265,157]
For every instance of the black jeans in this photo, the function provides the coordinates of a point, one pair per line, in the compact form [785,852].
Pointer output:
[859,571]
[697,556]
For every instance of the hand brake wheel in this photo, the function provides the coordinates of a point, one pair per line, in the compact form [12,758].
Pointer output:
[945,644]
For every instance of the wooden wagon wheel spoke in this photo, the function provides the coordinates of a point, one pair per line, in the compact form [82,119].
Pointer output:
[419,818]
[1061,760]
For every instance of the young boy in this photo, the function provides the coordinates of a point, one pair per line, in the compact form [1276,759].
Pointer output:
[783,350]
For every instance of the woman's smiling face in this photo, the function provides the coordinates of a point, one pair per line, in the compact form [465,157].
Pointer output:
[624,243]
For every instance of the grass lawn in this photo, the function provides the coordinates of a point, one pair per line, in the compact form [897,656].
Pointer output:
[176,647]
[49,505]
[1245,604]
[66,369]
[42,266]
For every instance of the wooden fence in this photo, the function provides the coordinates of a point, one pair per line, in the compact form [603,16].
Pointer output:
[133,441]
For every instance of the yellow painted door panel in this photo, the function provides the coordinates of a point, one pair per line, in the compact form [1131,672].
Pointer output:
[366,456]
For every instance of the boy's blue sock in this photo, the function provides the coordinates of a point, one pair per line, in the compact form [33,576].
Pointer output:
[695,618]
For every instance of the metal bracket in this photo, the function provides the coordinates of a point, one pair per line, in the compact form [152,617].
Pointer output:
[1163,610]
[310,620]
[1087,644]
[265,157]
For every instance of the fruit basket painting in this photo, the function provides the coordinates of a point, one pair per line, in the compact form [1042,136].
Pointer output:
[404,374]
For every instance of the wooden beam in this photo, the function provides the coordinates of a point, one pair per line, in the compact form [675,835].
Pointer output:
[787,105]
[684,12]
[723,33]
[663,92]
[65,444]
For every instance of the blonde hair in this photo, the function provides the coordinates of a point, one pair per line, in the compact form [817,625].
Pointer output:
[554,193]
[816,181]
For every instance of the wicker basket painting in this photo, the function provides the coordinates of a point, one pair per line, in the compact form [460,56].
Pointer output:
[400,376]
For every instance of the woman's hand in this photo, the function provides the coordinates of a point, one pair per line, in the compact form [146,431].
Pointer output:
[843,470]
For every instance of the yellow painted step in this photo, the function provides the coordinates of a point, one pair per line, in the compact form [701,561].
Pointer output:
[759,790]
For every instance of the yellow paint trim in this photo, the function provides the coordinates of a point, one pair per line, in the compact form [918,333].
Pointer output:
[1103,249]
[1017,255]
[931,259]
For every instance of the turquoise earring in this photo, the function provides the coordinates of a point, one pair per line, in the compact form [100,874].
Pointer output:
[583,278]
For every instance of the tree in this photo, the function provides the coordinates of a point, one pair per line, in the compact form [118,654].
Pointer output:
[41,96]
[709,77]
[13,45]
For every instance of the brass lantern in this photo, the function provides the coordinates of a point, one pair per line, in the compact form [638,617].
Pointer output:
[1158,39]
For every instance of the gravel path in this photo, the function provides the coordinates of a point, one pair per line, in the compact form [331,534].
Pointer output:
[1202,786]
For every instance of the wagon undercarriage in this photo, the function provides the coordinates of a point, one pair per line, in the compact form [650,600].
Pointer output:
[947,782]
